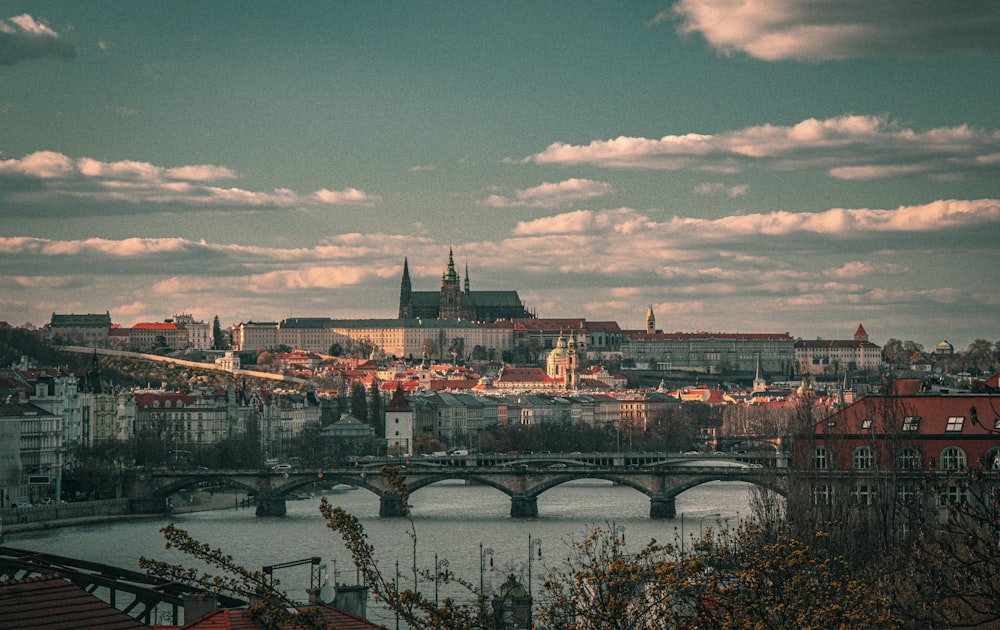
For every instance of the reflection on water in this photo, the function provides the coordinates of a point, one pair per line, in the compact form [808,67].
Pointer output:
[450,519]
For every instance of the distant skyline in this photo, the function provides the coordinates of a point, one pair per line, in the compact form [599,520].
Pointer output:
[740,165]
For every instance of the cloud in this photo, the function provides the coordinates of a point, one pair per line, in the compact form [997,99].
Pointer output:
[849,147]
[129,186]
[775,30]
[553,195]
[718,188]
[23,37]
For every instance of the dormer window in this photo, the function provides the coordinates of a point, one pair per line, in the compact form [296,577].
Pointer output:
[911,423]
[955,423]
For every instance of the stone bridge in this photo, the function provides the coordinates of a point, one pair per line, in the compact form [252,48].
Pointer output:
[523,482]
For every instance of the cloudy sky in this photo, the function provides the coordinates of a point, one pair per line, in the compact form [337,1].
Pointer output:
[740,165]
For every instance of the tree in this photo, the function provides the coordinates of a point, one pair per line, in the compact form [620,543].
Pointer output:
[218,340]
[743,578]
[359,402]
[375,411]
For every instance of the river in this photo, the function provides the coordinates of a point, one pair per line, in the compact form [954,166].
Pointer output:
[451,520]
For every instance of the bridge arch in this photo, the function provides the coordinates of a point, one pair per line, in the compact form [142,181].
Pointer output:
[162,492]
[678,489]
[538,489]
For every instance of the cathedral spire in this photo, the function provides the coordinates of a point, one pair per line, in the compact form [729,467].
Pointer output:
[449,274]
[405,293]
[466,277]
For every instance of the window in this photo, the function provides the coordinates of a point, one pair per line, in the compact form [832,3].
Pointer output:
[864,493]
[954,495]
[955,423]
[905,492]
[820,461]
[907,458]
[991,459]
[863,458]
[866,423]
[952,458]
[911,423]
[822,495]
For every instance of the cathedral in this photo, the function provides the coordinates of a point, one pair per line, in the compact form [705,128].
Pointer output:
[455,300]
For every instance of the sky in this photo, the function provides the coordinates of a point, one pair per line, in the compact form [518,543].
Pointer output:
[744,166]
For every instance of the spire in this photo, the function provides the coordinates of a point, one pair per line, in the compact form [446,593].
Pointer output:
[650,321]
[466,277]
[449,274]
[405,293]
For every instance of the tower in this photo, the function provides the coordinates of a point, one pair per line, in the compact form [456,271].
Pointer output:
[650,321]
[861,334]
[451,291]
[405,293]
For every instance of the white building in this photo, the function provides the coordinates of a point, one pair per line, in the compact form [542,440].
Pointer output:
[399,425]
[831,356]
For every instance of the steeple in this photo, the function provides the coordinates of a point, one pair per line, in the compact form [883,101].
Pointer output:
[650,321]
[466,277]
[449,273]
[861,334]
[405,293]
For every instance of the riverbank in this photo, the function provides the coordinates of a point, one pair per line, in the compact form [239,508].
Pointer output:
[180,504]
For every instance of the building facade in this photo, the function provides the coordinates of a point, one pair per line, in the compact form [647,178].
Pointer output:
[832,357]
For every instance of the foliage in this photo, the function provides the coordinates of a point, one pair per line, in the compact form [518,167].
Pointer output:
[268,604]
[359,402]
[949,572]
[743,578]
[414,608]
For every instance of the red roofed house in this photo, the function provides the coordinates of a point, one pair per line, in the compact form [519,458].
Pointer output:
[881,448]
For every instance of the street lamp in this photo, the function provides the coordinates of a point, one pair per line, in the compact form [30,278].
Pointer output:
[701,522]
[438,565]
[482,564]
[532,544]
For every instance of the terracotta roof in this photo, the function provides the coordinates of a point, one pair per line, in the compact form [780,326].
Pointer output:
[52,603]
[241,620]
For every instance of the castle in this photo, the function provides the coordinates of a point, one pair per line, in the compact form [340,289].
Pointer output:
[457,301]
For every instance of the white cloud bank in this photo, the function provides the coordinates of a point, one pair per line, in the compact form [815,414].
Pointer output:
[775,30]
[130,184]
[848,147]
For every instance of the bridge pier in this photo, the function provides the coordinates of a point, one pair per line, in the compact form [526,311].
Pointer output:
[662,507]
[391,505]
[522,506]
[270,506]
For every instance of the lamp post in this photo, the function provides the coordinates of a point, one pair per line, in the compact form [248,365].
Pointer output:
[701,522]
[532,544]
[438,565]
[482,564]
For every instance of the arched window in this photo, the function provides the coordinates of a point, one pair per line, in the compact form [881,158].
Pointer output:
[820,460]
[991,459]
[863,458]
[952,458]
[908,458]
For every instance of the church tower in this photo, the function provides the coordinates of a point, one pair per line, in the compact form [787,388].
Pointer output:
[405,293]
[650,321]
[451,291]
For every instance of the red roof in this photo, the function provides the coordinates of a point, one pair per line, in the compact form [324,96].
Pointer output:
[49,602]
[241,620]
[154,326]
